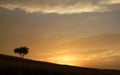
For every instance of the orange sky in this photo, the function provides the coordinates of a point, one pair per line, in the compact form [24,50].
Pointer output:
[72,32]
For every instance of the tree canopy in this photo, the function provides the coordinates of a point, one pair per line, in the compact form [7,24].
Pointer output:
[22,51]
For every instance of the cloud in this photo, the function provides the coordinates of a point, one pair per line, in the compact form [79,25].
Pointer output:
[110,2]
[110,59]
[95,41]
[60,6]
[88,57]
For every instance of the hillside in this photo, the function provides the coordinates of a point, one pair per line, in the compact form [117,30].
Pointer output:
[10,65]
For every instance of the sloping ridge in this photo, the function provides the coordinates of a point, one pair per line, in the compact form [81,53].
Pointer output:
[10,65]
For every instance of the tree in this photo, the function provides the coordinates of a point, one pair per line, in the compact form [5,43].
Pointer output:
[22,51]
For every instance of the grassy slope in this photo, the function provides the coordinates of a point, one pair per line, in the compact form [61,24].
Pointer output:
[15,66]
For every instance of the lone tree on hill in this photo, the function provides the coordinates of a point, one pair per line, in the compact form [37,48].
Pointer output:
[22,51]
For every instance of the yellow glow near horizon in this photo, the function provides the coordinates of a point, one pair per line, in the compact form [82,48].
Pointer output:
[65,60]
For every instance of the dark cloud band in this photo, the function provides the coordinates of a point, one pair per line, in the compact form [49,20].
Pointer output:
[61,6]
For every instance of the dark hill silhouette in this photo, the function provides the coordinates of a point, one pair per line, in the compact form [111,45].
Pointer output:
[10,65]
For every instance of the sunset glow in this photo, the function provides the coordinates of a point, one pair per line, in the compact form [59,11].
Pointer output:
[65,60]
[70,32]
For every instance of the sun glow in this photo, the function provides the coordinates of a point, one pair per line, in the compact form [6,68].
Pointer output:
[66,60]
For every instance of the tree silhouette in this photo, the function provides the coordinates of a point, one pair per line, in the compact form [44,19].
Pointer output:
[22,51]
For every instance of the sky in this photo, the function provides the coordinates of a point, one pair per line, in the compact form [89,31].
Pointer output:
[83,33]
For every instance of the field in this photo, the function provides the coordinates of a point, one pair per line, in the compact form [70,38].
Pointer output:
[10,65]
